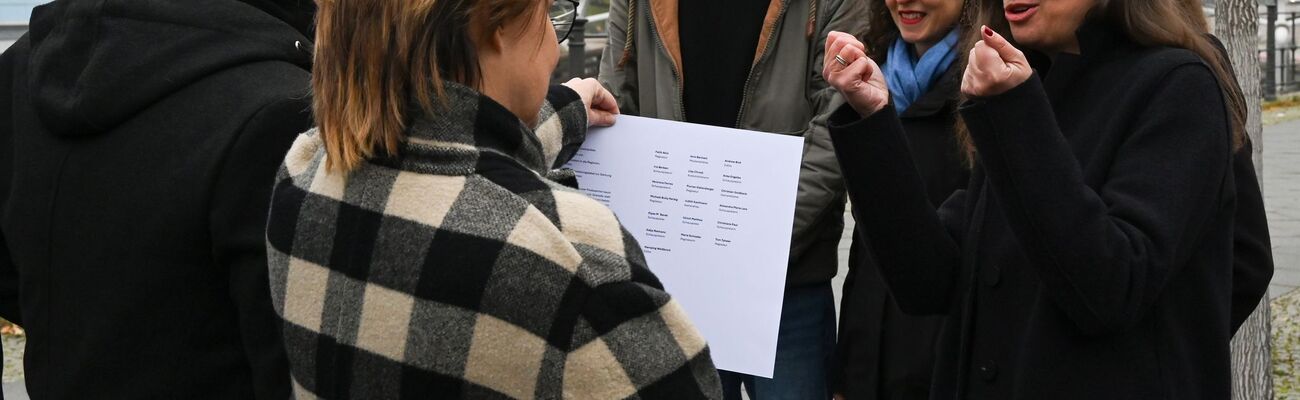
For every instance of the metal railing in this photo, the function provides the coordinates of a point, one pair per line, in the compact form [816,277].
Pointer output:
[1278,56]
[1272,52]
[1284,72]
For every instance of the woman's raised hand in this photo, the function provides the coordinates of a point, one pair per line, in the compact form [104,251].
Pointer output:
[995,67]
[602,109]
[855,75]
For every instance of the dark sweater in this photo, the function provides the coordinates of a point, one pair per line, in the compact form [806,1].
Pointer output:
[138,145]
[719,39]
[1092,257]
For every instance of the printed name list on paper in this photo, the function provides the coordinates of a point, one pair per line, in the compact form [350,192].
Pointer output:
[712,209]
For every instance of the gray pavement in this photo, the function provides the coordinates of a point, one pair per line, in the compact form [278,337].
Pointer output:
[15,391]
[1282,200]
[845,240]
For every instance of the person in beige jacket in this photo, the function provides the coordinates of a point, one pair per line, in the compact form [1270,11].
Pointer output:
[418,244]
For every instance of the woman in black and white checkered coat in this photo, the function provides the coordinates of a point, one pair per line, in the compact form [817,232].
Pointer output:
[417,247]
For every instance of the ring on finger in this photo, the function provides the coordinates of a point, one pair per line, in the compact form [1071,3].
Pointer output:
[840,59]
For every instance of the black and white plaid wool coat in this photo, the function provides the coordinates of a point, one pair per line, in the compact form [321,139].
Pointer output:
[456,270]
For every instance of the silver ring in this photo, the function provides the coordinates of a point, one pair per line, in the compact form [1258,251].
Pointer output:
[841,60]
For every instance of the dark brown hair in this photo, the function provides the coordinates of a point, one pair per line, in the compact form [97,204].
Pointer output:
[373,57]
[882,31]
[1171,23]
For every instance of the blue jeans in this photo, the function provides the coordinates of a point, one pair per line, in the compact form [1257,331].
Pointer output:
[803,350]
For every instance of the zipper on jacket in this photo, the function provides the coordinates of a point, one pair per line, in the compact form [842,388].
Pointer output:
[744,98]
[677,76]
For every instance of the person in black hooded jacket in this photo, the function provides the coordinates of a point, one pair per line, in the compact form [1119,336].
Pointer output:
[139,141]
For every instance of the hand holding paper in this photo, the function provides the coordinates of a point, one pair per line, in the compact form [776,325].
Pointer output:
[713,210]
[602,109]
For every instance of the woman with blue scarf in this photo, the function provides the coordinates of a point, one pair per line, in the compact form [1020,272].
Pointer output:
[883,353]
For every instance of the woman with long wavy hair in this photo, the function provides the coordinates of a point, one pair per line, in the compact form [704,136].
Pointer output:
[882,352]
[1092,256]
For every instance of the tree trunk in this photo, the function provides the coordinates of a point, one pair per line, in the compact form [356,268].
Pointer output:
[1236,23]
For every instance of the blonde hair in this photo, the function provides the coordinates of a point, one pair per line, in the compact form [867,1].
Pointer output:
[374,59]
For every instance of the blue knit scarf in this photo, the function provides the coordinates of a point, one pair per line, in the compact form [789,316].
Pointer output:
[910,78]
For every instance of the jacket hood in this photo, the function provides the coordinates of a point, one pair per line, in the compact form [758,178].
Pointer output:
[299,14]
[96,63]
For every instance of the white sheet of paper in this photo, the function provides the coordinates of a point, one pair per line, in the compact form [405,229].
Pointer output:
[713,210]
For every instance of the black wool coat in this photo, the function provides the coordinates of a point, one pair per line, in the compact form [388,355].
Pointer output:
[1092,255]
[882,352]
[1252,250]
[139,142]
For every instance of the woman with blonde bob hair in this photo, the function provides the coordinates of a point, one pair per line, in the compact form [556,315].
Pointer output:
[420,245]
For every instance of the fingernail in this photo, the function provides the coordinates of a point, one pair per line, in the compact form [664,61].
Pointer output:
[988,32]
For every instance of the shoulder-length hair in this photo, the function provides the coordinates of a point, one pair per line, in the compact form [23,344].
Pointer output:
[1172,23]
[375,58]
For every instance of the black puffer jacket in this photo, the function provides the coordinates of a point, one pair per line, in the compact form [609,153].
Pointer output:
[138,144]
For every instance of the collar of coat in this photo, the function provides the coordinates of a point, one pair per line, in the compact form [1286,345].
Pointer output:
[663,14]
[941,98]
[1098,41]
[450,139]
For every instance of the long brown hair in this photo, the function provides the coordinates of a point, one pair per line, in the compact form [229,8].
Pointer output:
[374,57]
[1172,23]
[882,31]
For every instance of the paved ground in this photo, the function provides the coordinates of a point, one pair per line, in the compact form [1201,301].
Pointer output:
[1282,200]
[13,387]
[15,391]
[845,240]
